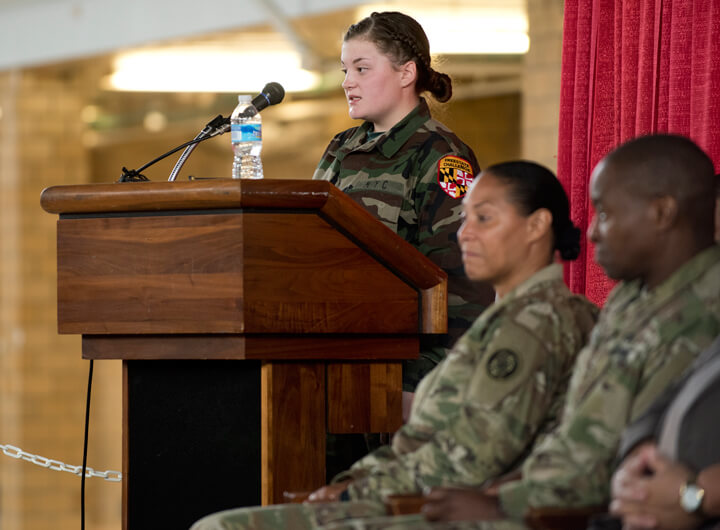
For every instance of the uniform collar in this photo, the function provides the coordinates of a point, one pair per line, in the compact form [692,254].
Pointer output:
[550,273]
[553,273]
[678,280]
[391,141]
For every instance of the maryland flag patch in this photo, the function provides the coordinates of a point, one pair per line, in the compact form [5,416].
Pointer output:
[454,175]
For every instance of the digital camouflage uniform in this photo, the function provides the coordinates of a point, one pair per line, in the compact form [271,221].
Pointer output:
[418,522]
[643,341]
[413,178]
[474,416]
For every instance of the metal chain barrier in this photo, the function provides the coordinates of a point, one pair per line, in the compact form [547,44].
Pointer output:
[56,465]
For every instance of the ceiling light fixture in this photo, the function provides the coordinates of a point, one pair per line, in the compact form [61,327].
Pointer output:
[467,28]
[208,69]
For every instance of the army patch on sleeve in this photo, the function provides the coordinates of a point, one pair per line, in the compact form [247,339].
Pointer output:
[502,364]
[454,175]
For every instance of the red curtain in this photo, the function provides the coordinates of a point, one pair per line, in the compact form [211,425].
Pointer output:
[629,68]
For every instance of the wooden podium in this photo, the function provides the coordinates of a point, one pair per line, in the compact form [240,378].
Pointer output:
[252,317]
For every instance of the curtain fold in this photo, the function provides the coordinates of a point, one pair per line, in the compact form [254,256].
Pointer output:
[630,68]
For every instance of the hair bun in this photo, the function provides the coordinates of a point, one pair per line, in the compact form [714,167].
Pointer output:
[568,241]
[440,86]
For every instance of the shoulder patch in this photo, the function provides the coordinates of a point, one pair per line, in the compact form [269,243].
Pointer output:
[454,175]
[502,364]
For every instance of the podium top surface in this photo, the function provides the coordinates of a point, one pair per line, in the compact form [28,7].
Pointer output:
[190,195]
[246,194]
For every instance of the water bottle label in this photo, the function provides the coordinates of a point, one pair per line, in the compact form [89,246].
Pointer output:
[245,132]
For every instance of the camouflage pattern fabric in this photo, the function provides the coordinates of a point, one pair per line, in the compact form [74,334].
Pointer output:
[361,516]
[288,516]
[413,178]
[643,341]
[476,414]
[417,522]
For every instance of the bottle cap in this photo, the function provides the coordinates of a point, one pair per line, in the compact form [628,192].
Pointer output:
[244,98]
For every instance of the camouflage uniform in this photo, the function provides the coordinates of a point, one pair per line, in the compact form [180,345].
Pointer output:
[643,341]
[400,176]
[474,416]
[418,522]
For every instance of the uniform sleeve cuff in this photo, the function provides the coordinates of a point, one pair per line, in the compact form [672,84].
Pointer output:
[513,498]
[345,475]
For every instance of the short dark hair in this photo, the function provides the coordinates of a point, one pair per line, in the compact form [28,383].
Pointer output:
[403,39]
[533,187]
[672,165]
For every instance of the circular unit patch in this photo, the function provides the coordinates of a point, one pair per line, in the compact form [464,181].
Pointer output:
[502,364]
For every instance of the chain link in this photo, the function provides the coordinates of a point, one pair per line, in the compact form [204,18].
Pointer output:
[56,465]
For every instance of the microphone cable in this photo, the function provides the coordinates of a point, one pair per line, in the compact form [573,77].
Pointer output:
[271,94]
[135,175]
[85,447]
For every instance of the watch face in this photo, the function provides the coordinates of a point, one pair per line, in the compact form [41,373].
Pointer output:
[691,498]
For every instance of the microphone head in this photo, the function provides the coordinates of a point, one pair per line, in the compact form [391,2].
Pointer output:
[272,94]
[275,92]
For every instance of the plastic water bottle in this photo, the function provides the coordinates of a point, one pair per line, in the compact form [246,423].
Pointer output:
[246,133]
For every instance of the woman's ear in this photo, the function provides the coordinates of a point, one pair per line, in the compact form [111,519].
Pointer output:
[539,224]
[408,74]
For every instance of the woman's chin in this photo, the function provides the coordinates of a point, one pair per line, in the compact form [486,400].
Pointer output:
[355,114]
[477,275]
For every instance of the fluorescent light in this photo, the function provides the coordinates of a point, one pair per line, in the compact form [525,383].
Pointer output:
[209,69]
[467,29]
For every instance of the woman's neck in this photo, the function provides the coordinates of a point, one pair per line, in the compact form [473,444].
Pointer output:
[404,107]
[532,266]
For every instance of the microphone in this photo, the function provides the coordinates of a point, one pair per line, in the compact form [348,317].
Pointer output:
[271,94]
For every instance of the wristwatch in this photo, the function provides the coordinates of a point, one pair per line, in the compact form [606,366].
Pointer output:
[691,496]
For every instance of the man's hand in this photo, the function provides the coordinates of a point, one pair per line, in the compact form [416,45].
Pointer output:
[646,489]
[329,493]
[457,504]
[493,488]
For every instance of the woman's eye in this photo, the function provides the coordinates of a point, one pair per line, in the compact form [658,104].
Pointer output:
[602,216]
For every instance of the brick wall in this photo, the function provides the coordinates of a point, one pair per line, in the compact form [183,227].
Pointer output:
[42,377]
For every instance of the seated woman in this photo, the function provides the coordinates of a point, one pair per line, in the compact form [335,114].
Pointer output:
[478,412]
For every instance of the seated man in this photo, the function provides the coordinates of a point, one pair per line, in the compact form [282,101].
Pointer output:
[503,384]
[647,487]
[653,229]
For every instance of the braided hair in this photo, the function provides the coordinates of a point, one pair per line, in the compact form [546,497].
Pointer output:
[403,39]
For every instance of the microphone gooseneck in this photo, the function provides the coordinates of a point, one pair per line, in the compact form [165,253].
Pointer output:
[271,94]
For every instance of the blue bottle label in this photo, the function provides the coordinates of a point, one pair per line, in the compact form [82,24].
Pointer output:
[246,132]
